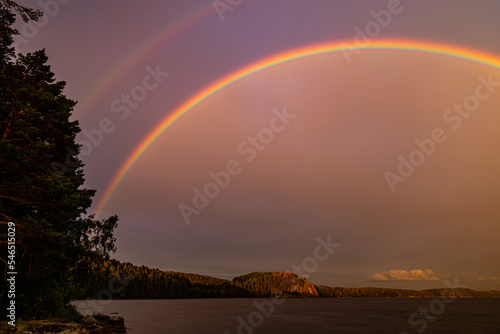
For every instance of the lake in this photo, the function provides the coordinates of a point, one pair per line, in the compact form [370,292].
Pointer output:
[315,315]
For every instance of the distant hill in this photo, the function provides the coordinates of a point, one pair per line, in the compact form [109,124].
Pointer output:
[279,284]
[123,280]
[340,292]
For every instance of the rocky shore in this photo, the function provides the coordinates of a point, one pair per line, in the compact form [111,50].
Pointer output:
[88,325]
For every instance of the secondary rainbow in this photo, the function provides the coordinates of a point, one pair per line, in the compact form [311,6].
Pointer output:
[281,58]
[139,53]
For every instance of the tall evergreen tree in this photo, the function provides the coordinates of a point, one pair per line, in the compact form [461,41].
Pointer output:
[41,179]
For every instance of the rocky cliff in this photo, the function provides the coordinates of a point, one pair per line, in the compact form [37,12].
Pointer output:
[279,284]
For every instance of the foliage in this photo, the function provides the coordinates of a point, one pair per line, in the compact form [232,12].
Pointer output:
[45,203]
[127,281]
[123,280]
[341,292]
[267,284]
[8,9]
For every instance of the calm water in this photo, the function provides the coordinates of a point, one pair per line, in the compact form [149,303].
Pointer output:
[303,315]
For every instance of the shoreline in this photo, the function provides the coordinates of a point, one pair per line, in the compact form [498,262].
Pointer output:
[98,324]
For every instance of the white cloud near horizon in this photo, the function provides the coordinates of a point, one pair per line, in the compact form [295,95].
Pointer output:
[405,275]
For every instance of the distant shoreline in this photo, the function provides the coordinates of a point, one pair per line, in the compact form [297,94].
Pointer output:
[123,280]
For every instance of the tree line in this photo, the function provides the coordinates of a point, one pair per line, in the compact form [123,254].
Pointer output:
[341,292]
[141,282]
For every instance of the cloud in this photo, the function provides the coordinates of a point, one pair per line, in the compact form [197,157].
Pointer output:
[406,275]
[495,279]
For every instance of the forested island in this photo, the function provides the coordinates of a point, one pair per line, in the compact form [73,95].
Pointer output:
[123,280]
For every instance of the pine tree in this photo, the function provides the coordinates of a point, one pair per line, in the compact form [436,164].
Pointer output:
[41,179]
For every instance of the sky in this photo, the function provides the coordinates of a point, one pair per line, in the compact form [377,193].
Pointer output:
[362,166]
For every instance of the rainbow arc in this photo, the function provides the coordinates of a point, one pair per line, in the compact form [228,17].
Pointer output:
[283,58]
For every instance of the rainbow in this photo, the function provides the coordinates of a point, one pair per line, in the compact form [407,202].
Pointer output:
[169,33]
[282,58]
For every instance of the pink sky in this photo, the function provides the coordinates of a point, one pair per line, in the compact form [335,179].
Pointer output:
[323,172]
